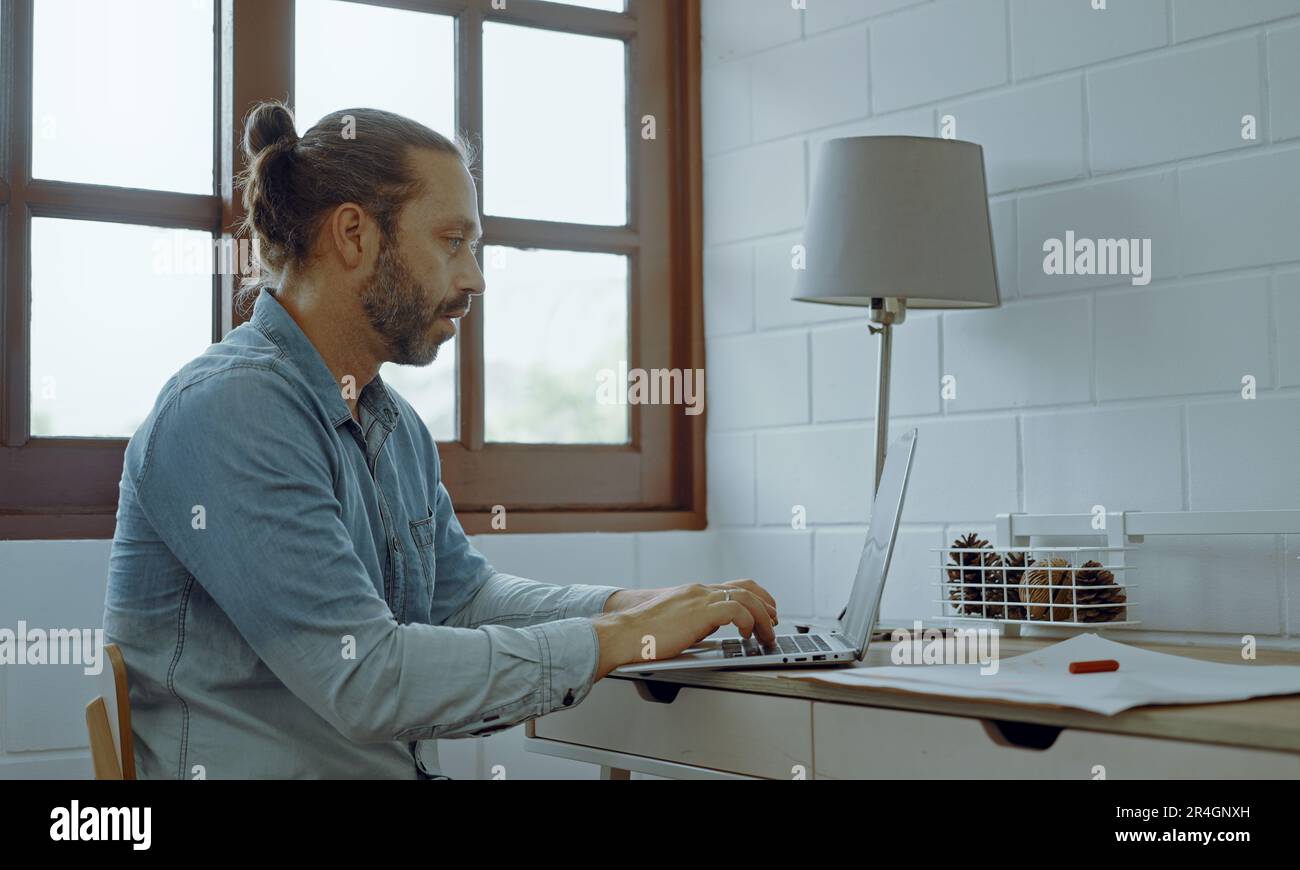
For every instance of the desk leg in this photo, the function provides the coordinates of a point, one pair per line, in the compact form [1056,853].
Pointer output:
[607,772]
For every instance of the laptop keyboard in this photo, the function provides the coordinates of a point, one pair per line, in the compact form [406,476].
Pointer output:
[785,643]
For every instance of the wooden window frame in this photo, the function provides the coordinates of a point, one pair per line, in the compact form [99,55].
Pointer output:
[62,488]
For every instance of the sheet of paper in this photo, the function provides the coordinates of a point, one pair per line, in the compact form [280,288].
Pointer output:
[1043,677]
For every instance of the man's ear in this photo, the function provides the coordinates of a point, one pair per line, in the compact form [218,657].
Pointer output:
[351,234]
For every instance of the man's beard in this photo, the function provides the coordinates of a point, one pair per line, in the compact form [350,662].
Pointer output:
[398,310]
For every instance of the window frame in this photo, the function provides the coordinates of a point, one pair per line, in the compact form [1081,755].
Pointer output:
[61,488]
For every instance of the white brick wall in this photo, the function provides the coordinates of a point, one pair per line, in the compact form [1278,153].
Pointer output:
[1284,81]
[1135,207]
[844,367]
[1194,19]
[935,50]
[784,79]
[1169,105]
[1052,35]
[1241,212]
[1185,313]
[1031,135]
[1286,309]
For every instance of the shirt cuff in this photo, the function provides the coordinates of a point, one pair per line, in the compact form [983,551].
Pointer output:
[570,655]
[586,600]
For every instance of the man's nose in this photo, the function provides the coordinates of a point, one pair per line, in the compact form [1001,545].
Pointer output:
[476,283]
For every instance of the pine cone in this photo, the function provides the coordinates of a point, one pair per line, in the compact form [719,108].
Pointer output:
[1092,574]
[1015,570]
[1079,590]
[969,597]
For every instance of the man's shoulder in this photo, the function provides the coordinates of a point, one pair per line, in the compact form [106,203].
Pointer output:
[230,377]
[223,395]
[244,353]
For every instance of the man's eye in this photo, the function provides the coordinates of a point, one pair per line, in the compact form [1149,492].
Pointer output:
[455,244]
[473,248]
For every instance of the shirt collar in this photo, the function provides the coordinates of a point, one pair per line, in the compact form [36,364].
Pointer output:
[271,318]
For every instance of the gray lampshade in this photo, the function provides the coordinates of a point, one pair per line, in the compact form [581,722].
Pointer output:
[899,217]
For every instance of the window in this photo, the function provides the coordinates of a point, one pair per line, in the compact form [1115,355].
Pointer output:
[117,197]
[109,213]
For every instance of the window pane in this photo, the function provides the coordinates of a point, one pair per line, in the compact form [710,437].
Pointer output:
[431,390]
[554,126]
[609,5]
[116,310]
[555,323]
[349,55]
[122,93]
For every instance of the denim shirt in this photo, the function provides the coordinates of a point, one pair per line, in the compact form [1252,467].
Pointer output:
[292,591]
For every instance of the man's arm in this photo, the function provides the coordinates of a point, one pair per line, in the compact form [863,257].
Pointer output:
[505,599]
[275,555]
[469,592]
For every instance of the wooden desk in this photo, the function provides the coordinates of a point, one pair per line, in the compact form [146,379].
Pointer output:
[768,724]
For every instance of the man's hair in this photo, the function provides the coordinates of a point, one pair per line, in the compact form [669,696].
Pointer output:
[291,183]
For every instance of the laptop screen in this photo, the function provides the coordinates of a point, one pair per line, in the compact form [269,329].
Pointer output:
[874,564]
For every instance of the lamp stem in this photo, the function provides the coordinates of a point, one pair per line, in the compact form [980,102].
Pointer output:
[882,399]
[884,314]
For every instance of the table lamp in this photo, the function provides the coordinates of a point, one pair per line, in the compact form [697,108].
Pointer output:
[898,222]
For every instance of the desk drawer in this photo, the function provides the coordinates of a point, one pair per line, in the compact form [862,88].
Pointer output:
[754,735]
[855,742]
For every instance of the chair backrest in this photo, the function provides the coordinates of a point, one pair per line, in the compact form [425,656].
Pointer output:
[108,721]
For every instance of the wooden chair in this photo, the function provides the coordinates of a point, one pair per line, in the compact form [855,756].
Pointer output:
[108,720]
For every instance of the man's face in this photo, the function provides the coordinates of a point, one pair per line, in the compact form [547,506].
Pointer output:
[425,277]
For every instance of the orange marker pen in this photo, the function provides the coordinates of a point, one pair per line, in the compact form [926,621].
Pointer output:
[1097,667]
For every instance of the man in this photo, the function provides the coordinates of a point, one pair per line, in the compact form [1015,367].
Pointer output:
[291,589]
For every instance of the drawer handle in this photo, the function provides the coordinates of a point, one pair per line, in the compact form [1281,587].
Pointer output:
[657,693]
[1021,735]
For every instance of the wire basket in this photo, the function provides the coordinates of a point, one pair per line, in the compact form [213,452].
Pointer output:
[1083,587]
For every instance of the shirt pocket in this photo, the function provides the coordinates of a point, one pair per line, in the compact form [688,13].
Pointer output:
[422,535]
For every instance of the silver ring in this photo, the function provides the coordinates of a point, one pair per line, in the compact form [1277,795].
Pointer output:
[727,593]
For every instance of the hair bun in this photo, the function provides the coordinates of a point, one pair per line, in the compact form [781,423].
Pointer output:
[268,124]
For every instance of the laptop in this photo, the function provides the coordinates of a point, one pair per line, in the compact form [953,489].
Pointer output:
[848,641]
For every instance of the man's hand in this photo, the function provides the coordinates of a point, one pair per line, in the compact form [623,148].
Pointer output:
[670,621]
